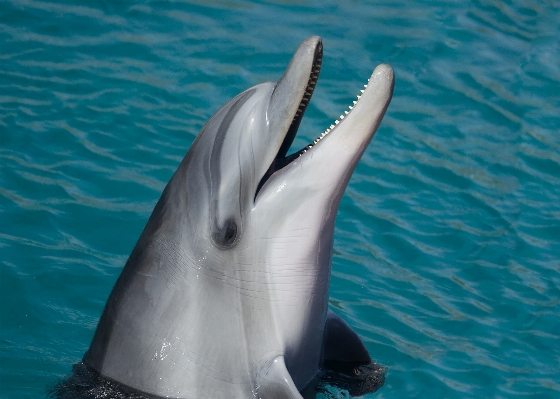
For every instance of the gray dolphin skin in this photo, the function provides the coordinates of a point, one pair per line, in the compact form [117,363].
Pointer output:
[225,294]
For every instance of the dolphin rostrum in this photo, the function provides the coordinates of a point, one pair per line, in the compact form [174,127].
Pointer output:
[225,294]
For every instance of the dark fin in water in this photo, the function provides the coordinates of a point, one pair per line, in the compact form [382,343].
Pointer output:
[346,363]
[341,343]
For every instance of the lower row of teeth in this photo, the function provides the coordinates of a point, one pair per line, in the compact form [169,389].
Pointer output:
[336,122]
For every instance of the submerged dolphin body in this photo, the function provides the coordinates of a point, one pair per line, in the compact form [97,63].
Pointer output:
[225,294]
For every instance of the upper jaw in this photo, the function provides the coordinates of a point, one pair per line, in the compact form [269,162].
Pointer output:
[296,87]
[289,100]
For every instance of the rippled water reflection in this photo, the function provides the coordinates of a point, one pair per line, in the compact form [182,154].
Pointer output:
[447,242]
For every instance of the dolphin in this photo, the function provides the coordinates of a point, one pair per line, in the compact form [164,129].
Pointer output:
[225,294]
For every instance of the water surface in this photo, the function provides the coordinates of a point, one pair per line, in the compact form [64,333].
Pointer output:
[447,239]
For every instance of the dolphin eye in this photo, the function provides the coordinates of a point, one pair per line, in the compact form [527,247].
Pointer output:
[225,237]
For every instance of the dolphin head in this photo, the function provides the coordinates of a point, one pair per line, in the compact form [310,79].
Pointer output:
[238,175]
[236,257]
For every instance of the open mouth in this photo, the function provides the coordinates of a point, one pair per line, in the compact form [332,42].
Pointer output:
[282,159]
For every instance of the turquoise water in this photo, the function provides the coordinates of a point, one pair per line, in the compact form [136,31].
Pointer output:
[447,241]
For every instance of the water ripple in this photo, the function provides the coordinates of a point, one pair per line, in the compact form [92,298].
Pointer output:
[446,246]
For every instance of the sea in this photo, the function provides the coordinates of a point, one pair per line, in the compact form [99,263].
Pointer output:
[446,256]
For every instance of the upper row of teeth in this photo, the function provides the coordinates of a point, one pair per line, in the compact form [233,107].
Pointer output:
[310,87]
[336,122]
